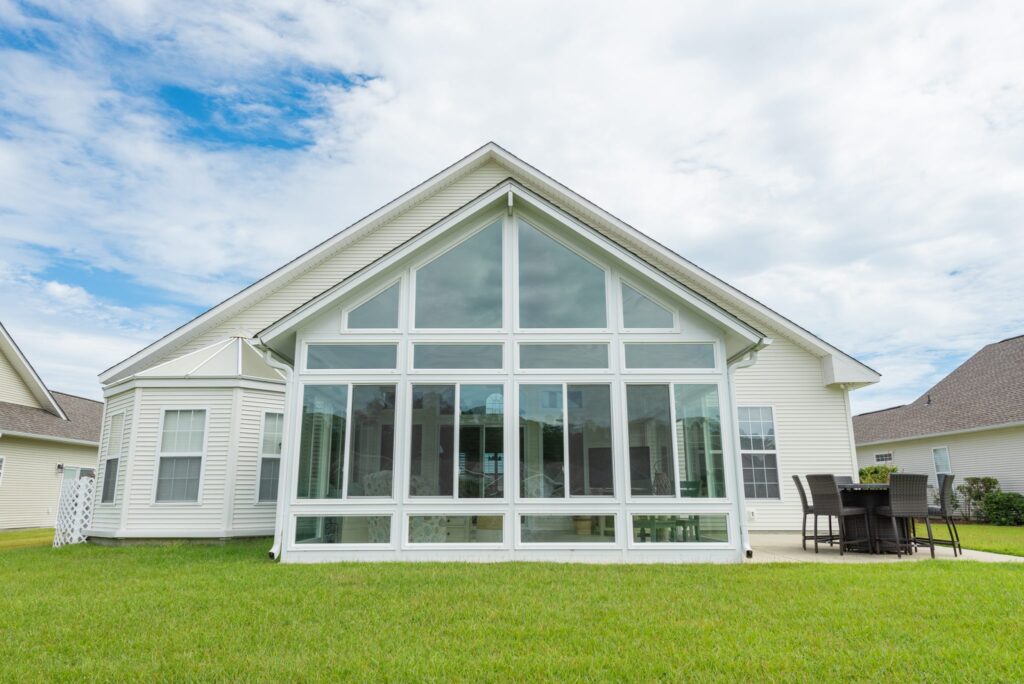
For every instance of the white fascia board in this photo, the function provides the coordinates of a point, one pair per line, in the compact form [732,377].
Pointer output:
[286,324]
[688,267]
[132,383]
[842,370]
[933,435]
[48,438]
[304,261]
[28,374]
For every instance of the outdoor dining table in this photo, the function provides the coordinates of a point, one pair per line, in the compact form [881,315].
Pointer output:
[870,496]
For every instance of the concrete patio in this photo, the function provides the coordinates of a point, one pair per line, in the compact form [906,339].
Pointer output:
[785,547]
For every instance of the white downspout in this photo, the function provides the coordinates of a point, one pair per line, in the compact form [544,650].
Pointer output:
[745,361]
[284,486]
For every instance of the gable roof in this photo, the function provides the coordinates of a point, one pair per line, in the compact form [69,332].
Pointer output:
[841,368]
[84,417]
[985,391]
[230,358]
[28,374]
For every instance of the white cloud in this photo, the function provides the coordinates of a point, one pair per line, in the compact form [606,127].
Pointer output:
[856,166]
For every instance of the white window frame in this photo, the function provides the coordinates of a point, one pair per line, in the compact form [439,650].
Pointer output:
[160,454]
[495,340]
[884,457]
[949,462]
[389,545]
[106,456]
[607,370]
[714,370]
[503,513]
[362,342]
[646,292]
[559,512]
[777,451]
[264,455]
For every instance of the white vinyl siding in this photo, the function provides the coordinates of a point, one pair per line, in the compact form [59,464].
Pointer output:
[31,483]
[249,515]
[107,517]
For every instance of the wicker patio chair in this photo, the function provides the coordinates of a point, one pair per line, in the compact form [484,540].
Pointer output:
[844,479]
[908,499]
[944,512]
[809,510]
[826,500]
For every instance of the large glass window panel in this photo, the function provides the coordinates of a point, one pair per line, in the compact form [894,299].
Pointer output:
[462,287]
[372,441]
[590,440]
[575,529]
[273,430]
[454,356]
[640,311]
[322,442]
[680,529]
[178,478]
[432,446]
[343,529]
[557,287]
[541,445]
[563,355]
[699,441]
[378,312]
[183,431]
[481,441]
[352,356]
[651,470]
[670,355]
[455,529]
[940,456]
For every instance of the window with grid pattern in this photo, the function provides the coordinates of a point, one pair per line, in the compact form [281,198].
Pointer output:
[115,440]
[270,456]
[181,455]
[758,452]
[883,458]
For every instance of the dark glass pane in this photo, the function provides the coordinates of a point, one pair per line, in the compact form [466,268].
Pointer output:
[433,446]
[639,311]
[455,529]
[450,356]
[370,471]
[557,287]
[380,311]
[675,529]
[352,356]
[343,529]
[462,287]
[322,442]
[670,355]
[481,441]
[109,480]
[650,440]
[699,435]
[582,529]
[563,356]
[541,447]
[590,440]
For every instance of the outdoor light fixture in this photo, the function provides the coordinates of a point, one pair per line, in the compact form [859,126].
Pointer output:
[60,468]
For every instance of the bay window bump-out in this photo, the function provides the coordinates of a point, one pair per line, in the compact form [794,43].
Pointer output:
[180,457]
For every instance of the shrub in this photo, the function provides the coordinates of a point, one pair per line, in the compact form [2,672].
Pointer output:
[1003,508]
[973,491]
[877,474]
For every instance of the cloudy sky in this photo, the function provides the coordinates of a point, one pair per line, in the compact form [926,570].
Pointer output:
[856,166]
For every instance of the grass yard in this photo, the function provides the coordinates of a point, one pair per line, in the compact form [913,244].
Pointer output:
[1009,540]
[42,536]
[194,612]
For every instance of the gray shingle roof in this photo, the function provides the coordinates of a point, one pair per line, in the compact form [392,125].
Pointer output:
[985,391]
[84,418]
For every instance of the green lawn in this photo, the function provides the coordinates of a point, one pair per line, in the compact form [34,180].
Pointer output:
[42,536]
[1008,540]
[194,612]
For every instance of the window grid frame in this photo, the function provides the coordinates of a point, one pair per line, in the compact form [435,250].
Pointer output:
[264,455]
[201,455]
[763,452]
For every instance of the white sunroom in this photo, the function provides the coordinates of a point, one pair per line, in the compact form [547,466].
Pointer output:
[510,384]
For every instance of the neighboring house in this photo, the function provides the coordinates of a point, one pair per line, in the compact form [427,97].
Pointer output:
[970,424]
[45,438]
[488,367]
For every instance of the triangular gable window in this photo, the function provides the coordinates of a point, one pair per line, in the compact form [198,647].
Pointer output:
[462,287]
[557,287]
[639,311]
[380,312]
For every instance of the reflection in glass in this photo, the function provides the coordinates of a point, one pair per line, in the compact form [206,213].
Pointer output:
[651,469]
[670,355]
[677,529]
[322,442]
[343,529]
[639,311]
[372,441]
[462,287]
[455,529]
[378,312]
[352,356]
[445,356]
[481,441]
[432,443]
[541,447]
[563,356]
[557,287]
[699,437]
[593,529]
[590,440]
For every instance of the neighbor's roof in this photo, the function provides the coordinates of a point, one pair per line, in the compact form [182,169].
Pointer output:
[9,348]
[986,391]
[83,423]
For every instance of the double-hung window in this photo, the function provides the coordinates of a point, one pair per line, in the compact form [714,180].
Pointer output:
[883,458]
[1,470]
[270,456]
[940,456]
[758,452]
[182,442]
[115,442]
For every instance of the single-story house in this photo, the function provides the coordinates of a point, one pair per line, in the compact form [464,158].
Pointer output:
[45,438]
[488,367]
[970,424]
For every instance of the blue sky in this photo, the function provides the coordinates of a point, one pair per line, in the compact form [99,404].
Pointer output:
[856,166]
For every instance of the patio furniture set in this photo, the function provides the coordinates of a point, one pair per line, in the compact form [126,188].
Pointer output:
[877,518]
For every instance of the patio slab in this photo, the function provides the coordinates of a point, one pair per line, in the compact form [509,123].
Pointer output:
[785,547]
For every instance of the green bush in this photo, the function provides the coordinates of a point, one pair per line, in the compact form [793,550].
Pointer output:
[1003,508]
[974,490]
[877,474]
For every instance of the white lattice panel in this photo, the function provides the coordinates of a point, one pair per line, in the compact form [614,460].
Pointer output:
[74,513]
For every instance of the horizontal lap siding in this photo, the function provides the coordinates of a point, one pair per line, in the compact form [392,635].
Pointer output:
[13,389]
[107,516]
[989,453]
[811,424]
[143,513]
[336,268]
[31,484]
[248,514]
